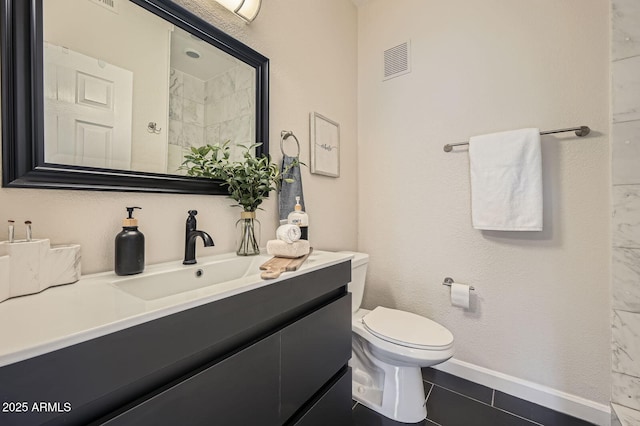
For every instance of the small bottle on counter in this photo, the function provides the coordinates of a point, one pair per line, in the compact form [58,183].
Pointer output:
[129,257]
[27,224]
[301,219]
[11,231]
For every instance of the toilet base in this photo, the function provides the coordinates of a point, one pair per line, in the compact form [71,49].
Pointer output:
[396,392]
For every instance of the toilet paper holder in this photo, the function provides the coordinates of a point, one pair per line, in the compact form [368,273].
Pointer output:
[448,281]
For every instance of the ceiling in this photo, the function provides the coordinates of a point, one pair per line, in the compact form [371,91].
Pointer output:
[211,63]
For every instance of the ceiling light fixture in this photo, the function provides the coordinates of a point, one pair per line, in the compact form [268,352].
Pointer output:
[245,9]
[192,53]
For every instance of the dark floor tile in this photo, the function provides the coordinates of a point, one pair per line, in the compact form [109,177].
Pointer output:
[535,412]
[427,388]
[451,409]
[363,416]
[457,384]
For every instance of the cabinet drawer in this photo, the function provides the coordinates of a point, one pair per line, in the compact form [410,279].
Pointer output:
[240,390]
[333,408]
[314,350]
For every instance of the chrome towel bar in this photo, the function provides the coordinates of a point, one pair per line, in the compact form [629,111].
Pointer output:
[580,131]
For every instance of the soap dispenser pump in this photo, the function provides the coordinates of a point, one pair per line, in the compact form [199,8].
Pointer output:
[129,256]
[299,218]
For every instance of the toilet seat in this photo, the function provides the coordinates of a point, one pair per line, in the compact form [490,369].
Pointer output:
[407,329]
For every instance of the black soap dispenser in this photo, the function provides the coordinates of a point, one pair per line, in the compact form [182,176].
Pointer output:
[129,247]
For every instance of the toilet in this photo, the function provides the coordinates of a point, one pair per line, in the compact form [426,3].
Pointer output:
[389,347]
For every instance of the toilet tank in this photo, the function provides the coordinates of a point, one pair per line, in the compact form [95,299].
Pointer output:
[358,274]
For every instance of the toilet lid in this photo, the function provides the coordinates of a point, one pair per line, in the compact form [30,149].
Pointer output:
[407,329]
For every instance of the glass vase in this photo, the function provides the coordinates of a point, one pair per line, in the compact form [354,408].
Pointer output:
[248,234]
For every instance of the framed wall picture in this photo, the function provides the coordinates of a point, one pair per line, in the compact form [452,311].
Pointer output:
[325,145]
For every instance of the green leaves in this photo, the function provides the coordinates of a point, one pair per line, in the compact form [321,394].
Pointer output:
[248,181]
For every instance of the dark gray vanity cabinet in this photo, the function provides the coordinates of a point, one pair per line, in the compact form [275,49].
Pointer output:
[274,355]
[311,349]
[241,390]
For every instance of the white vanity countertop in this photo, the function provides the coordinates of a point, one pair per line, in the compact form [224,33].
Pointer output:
[92,307]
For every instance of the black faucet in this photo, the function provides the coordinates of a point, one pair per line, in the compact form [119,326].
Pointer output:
[191,234]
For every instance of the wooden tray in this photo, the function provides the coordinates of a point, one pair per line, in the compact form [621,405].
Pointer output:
[277,265]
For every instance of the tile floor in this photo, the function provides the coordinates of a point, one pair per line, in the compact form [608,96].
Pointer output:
[452,401]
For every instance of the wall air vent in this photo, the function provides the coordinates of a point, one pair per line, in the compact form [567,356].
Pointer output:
[111,5]
[396,61]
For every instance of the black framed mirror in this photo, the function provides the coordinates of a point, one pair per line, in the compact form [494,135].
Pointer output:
[28,159]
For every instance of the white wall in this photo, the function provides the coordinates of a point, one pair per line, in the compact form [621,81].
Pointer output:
[323,80]
[540,311]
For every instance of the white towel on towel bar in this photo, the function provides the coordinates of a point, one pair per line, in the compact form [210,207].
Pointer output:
[506,181]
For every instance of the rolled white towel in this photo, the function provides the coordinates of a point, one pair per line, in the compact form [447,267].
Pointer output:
[288,233]
[279,248]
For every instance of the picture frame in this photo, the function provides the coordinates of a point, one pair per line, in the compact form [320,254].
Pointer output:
[325,145]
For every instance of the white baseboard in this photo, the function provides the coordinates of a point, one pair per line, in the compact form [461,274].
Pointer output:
[547,397]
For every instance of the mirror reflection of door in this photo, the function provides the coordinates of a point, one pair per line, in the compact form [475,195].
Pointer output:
[88,110]
[193,92]
[127,37]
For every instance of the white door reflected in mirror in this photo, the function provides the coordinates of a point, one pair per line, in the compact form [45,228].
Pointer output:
[109,72]
[88,110]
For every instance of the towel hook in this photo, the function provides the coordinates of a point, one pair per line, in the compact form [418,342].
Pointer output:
[284,135]
[152,127]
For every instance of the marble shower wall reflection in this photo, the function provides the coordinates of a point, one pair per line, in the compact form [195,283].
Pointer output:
[625,54]
[209,112]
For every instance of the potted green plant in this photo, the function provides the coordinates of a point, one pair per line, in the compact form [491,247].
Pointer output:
[248,181]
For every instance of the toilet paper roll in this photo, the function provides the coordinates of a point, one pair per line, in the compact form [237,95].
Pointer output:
[460,295]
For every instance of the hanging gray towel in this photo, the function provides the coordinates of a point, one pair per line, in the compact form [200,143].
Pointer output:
[290,190]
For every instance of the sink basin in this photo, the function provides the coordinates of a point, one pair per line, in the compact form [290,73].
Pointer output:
[175,279]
